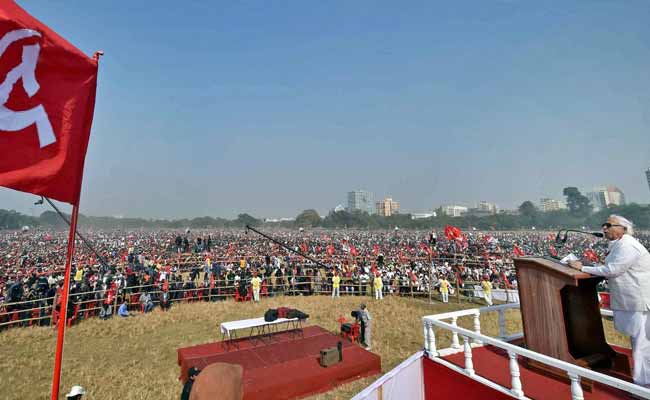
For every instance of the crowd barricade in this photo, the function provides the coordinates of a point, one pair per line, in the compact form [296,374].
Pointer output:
[88,305]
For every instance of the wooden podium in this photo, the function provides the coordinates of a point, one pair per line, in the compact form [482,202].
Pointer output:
[561,318]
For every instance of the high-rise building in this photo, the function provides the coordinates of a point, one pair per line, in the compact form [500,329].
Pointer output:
[605,196]
[647,175]
[360,200]
[552,205]
[454,210]
[486,207]
[387,207]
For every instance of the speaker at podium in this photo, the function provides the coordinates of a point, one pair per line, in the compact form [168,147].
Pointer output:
[561,318]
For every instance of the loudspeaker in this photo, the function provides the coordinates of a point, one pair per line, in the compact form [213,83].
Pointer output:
[329,356]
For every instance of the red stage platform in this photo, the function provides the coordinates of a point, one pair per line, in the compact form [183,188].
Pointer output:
[285,366]
[492,363]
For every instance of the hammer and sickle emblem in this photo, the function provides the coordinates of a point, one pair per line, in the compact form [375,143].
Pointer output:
[11,120]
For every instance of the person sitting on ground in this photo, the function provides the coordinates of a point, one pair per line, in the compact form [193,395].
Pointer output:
[145,300]
[123,310]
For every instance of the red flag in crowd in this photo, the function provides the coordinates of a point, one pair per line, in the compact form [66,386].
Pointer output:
[48,99]
[552,250]
[591,255]
[318,249]
[330,249]
[375,249]
[303,248]
[518,252]
[426,248]
[550,236]
[451,232]
[505,280]
[353,251]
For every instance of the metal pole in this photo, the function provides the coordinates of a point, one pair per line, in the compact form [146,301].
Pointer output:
[63,314]
[83,239]
[248,227]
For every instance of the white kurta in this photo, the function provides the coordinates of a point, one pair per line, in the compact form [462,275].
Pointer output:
[627,267]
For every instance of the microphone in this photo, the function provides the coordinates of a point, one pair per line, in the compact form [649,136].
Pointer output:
[559,240]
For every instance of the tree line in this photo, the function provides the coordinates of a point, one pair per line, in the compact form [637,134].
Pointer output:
[579,213]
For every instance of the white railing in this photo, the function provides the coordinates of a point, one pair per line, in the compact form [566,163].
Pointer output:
[475,338]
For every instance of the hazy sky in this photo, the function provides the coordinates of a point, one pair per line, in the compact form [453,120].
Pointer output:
[216,108]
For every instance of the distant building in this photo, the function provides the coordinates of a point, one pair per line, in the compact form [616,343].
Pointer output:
[484,206]
[387,207]
[605,196]
[360,200]
[547,205]
[454,210]
[339,208]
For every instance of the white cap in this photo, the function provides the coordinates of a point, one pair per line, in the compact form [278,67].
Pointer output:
[75,391]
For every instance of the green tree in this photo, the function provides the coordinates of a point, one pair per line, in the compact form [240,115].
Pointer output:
[246,219]
[308,218]
[528,209]
[577,203]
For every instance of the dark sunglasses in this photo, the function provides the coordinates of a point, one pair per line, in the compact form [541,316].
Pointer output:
[608,225]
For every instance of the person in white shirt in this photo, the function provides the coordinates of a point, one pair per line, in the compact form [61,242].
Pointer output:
[627,268]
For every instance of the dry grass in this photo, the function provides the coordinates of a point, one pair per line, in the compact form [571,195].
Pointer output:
[136,358]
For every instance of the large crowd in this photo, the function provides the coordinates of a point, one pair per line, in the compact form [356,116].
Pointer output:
[142,268]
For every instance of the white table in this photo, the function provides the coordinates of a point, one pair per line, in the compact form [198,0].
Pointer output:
[259,328]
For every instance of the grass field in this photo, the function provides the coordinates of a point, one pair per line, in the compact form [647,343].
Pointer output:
[135,358]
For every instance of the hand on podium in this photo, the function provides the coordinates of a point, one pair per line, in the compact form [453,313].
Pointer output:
[576,265]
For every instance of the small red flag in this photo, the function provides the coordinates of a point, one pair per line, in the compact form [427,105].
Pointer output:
[353,251]
[518,252]
[47,100]
[591,255]
[452,232]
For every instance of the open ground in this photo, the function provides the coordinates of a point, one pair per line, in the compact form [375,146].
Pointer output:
[135,358]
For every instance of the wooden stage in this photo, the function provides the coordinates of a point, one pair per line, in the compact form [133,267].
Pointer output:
[285,365]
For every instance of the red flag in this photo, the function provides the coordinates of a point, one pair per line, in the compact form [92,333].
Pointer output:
[518,252]
[426,248]
[303,248]
[47,100]
[318,249]
[353,251]
[375,249]
[591,255]
[330,250]
[451,232]
[552,250]
[505,280]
